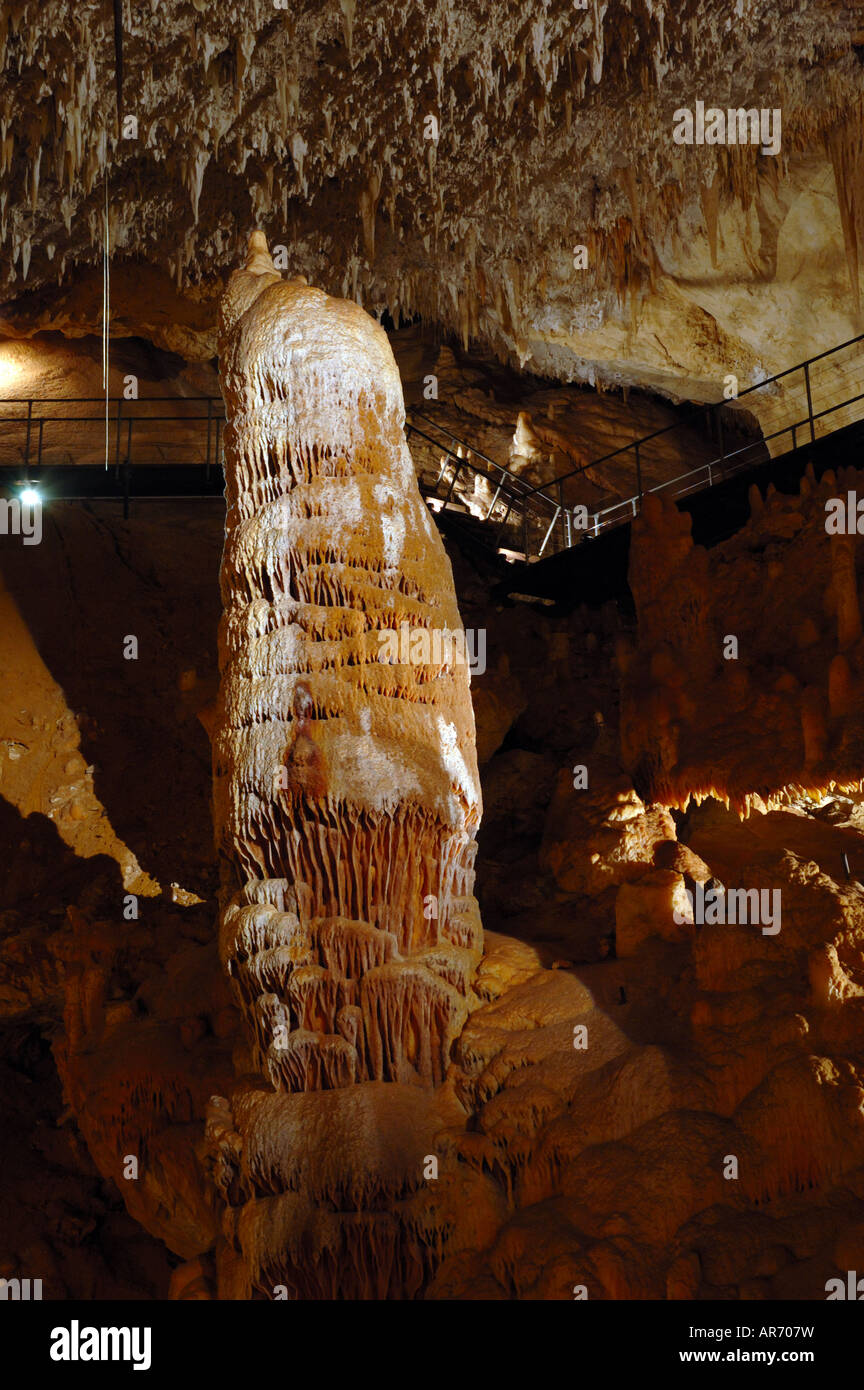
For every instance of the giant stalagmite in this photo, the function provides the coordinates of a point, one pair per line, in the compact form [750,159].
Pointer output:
[346,800]
[346,786]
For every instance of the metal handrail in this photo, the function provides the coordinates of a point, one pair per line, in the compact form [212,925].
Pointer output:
[703,467]
[128,413]
[709,406]
[478,453]
[520,501]
[89,400]
[412,429]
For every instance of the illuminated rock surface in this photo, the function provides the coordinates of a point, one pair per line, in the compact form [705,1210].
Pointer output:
[296,1064]
[346,794]
[303,121]
[346,788]
[762,631]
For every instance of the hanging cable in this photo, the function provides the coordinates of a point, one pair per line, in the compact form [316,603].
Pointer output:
[117,8]
[106,304]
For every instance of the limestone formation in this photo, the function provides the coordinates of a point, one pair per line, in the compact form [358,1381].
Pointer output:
[525,448]
[346,787]
[552,134]
[761,632]
[346,799]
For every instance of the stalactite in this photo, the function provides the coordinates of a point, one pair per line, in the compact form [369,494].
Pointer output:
[845,145]
[709,195]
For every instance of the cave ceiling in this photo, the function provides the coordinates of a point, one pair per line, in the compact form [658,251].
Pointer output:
[444,161]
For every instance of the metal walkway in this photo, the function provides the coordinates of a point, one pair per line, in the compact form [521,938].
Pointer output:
[803,403]
[59,444]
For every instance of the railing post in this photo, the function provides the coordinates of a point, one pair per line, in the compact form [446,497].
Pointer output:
[127,469]
[809,403]
[39,446]
[638,474]
[495,499]
[565,517]
[456,471]
[720,440]
[499,534]
[525,531]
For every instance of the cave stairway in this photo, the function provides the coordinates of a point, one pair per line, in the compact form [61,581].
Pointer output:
[481,499]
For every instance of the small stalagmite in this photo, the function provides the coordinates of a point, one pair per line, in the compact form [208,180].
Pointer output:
[346,793]
[526,446]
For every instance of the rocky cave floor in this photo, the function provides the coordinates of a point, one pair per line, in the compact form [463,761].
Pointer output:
[607,1164]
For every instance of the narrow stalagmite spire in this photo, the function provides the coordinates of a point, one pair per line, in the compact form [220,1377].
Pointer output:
[258,258]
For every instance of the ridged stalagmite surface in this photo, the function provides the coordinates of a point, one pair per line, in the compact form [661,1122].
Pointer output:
[346,786]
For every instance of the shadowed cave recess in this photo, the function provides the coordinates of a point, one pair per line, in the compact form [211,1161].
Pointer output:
[431,652]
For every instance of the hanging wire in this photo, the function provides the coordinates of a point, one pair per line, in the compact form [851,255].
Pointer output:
[106,305]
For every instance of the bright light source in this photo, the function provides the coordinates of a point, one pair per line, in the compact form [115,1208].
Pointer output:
[30,497]
[10,369]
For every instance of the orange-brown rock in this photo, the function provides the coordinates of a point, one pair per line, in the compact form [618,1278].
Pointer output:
[761,633]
